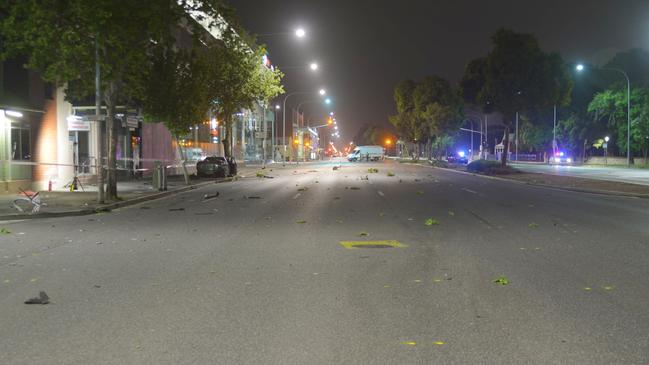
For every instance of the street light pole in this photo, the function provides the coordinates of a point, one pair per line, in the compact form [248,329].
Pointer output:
[321,92]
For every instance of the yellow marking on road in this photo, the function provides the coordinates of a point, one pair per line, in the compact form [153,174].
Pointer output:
[588,288]
[33,280]
[608,288]
[439,343]
[409,343]
[437,280]
[417,281]
[360,244]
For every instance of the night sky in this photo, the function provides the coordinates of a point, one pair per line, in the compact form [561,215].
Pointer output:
[365,47]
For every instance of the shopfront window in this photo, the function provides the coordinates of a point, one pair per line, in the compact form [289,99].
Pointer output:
[21,142]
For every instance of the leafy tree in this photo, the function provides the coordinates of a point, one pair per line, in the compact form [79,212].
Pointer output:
[610,107]
[238,80]
[59,39]
[175,93]
[517,76]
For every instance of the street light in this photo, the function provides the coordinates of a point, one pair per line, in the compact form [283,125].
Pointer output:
[606,139]
[313,66]
[581,67]
[322,92]
[300,33]
[327,101]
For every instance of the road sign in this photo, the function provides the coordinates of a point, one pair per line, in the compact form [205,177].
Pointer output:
[93,118]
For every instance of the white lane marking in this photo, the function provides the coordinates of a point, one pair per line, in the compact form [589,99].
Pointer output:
[469,190]
[380,193]
[297,195]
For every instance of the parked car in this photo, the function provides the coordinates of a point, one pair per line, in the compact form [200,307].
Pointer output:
[213,166]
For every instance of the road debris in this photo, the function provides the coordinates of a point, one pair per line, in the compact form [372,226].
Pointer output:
[363,234]
[533,225]
[390,173]
[211,196]
[373,170]
[355,188]
[301,221]
[42,298]
[5,231]
[176,209]
[502,280]
[431,222]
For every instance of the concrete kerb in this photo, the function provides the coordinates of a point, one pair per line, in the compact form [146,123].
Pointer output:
[112,206]
[564,188]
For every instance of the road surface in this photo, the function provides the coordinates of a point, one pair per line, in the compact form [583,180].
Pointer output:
[620,174]
[258,275]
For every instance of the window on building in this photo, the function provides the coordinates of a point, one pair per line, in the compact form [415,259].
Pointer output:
[21,144]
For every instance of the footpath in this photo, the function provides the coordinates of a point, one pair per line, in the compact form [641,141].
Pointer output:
[81,202]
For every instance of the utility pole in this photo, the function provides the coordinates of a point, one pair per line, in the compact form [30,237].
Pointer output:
[100,124]
[516,137]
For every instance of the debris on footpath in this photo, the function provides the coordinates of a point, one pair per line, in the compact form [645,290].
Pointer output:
[42,298]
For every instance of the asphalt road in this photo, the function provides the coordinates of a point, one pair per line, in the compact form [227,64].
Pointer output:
[258,275]
[620,174]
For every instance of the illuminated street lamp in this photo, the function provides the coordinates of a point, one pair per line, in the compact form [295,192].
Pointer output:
[300,33]
[277,107]
[327,101]
[322,92]
[581,67]
[313,66]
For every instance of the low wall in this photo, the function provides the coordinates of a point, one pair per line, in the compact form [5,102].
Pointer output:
[598,160]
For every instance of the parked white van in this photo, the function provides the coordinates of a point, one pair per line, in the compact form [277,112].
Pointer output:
[368,153]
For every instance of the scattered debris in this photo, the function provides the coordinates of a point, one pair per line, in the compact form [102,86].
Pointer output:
[252,197]
[42,298]
[502,280]
[5,231]
[355,188]
[390,173]
[336,198]
[261,174]
[303,189]
[420,192]
[381,214]
[451,213]
[301,221]
[431,222]
[417,180]
[176,209]
[339,221]
[372,170]
[335,168]
[533,225]
[363,234]
[400,180]
[211,196]
[365,177]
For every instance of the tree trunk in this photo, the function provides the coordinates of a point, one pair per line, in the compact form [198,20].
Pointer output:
[503,158]
[227,140]
[183,157]
[111,145]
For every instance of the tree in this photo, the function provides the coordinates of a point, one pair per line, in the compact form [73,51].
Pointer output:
[59,38]
[175,94]
[610,107]
[517,76]
[426,109]
[238,79]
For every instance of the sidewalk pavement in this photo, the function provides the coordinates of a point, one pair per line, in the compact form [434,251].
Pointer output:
[66,203]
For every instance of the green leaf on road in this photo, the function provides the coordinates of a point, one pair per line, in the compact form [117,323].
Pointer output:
[533,225]
[372,170]
[363,234]
[420,192]
[431,222]
[301,221]
[261,174]
[5,231]
[390,173]
[502,280]
[302,189]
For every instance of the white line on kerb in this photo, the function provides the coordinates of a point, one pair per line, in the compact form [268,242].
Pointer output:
[469,190]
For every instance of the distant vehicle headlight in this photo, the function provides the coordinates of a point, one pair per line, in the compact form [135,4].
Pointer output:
[569,160]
